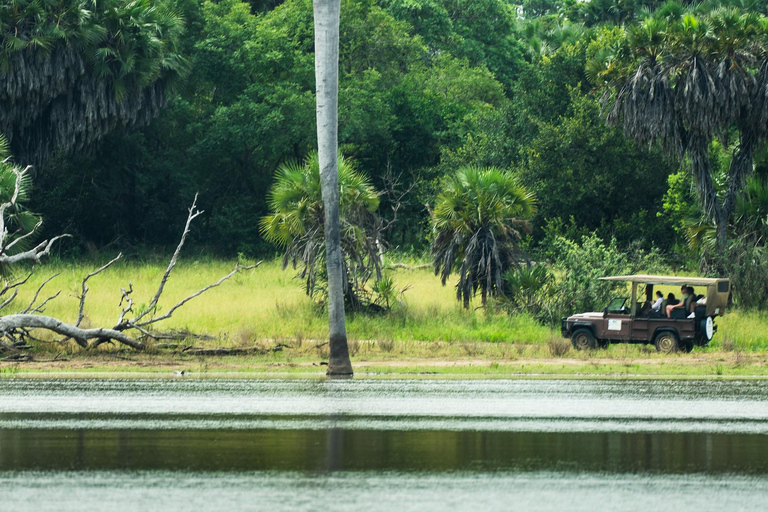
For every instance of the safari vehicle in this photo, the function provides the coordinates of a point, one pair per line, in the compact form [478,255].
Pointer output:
[626,320]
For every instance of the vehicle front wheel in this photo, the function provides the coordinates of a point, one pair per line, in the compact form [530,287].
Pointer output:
[583,339]
[667,342]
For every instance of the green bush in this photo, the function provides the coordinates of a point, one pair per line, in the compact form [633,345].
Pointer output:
[572,283]
[745,264]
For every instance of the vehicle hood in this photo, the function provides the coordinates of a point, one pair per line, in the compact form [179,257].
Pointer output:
[594,315]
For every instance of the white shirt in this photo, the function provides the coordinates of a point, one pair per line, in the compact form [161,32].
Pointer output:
[657,305]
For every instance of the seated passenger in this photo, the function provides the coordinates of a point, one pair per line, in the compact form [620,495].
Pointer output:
[690,302]
[656,306]
[683,304]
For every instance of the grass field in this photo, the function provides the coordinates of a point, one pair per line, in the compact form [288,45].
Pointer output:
[429,333]
[268,303]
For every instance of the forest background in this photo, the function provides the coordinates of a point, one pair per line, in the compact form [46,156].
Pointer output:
[426,87]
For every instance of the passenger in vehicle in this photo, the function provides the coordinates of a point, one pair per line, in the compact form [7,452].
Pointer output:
[656,306]
[682,304]
[690,301]
[669,301]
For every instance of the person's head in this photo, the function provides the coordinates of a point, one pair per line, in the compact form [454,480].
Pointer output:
[659,294]
[690,291]
[684,289]
[671,296]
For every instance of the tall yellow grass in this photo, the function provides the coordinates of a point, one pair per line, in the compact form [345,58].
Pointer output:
[268,303]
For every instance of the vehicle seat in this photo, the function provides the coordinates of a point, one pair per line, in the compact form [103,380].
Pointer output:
[700,311]
[679,313]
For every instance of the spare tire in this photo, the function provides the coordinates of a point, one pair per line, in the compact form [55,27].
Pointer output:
[706,328]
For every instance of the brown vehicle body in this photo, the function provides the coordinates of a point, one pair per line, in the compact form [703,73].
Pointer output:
[623,321]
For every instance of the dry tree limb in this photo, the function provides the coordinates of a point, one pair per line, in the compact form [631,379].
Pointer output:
[34,254]
[193,213]
[84,286]
[9,299]
[39,308]
[13,326]
[166,316]
[37,293]
[126,296]
[81,336]
[7,287]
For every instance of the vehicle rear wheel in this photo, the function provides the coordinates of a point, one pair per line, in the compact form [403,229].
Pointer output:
[583,339]
[667,342]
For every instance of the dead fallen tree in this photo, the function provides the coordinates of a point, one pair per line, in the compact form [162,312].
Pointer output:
[131,329]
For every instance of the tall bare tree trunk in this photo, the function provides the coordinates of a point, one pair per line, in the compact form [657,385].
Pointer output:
[327,83]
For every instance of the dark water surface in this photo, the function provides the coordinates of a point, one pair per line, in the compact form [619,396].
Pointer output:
[181,444]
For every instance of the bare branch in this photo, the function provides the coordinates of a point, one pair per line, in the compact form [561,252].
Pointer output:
[9,299]
[128,302]
[34,255]
[7,287]
[81,336]
[26,235]
[237,269]
[85,288]
[37,293]
[39,309]
[193,212]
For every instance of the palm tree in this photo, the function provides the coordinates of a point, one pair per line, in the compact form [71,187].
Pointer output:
[681,80]
[297,224]
[72,71]
[326,15]
[477,220]
[18,221]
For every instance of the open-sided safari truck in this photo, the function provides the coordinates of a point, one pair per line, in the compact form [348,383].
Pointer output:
[630,319]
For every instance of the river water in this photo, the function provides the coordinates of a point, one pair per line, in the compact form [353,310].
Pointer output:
[370,444]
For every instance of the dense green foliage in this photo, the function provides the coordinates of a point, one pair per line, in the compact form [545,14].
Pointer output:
[72,71]
[427,87]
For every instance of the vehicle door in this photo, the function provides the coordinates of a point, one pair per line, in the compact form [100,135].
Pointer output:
[617,321]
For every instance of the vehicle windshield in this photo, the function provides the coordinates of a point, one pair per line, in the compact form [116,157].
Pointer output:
[617,305]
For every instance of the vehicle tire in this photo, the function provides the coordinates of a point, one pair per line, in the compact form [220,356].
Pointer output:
[667,342]
[583,339]
[706,329]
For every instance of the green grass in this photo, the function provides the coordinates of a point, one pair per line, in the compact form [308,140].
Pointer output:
[268,303]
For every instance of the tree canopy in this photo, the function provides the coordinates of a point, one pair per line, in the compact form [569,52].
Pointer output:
[72,71]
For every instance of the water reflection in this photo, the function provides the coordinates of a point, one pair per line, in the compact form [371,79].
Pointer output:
[411,445]
[338,449]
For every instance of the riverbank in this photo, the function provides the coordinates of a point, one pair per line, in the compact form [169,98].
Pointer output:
[488,360]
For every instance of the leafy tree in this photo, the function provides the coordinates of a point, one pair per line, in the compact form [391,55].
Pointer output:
[594,175]
[477,220]
[481,31]
[75,70]
[683,80]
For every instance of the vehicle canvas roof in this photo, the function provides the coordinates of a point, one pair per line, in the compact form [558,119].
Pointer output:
[652,279]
